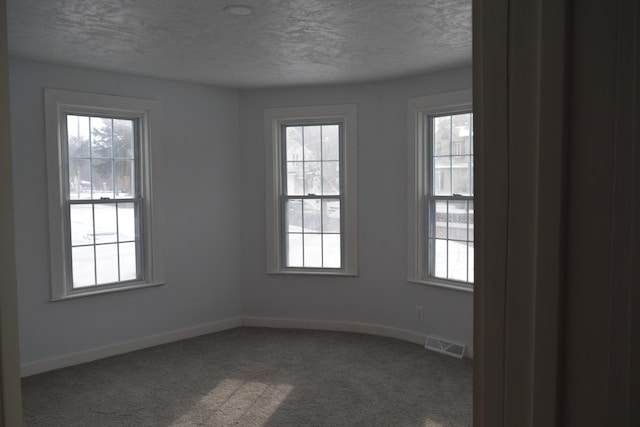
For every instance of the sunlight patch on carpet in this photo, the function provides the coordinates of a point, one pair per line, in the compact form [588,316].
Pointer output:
[238,402]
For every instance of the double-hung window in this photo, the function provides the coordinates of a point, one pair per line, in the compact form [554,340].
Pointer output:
[102,232]
[441,232]
[311,190]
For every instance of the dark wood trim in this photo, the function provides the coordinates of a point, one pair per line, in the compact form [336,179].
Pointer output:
[552,180]
[10,397]
[491,186]
[634,277]
[520,99]
[557,298]
[600,372]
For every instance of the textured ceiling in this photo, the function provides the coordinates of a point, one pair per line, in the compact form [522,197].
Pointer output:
[284,43]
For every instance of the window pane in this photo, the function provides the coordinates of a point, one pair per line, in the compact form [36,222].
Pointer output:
[312,174]
[77,137]
[471,236]
[81,224]
[128,263]
[294,250]
[331,178]
[471,245]
[441,219]
[102,178]
[127,222]
[106,223]
[331,142]
[331,250]
[439,247]
[107,264]
[442,176]
[293,215]
[83,266]
[461,134]
[313,250]
[461,169]
[471,175]
[430,218]
[294,143]
[331,216]
[441,136]
[457,220]
[312,216]
[458,260]
[295,179]
[101,137]
[125,178]
[471,263]
[312,146]
[79,179]
[124,139]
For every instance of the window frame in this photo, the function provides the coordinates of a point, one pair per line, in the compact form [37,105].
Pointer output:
[274,121]
[58,104]
[419,181]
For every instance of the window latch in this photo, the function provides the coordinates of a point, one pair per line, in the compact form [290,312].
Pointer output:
[105,198]
[457,195]
[311,194]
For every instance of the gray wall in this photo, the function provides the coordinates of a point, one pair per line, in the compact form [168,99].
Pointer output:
[201,180]
[213,179]
[380,295]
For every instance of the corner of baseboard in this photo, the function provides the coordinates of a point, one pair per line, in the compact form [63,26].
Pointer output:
[469,352]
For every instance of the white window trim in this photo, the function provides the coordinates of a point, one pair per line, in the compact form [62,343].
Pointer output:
[57,103]
[442,103]
[274,118]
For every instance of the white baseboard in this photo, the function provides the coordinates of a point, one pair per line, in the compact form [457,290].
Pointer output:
[64,361]
[126,347]
[328,325]
[362,328]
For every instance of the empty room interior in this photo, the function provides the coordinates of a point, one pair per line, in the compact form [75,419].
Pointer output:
[265,213]
[212,74]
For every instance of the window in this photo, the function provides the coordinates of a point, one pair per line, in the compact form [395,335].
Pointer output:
[441,234]
[101,201]
[311,190]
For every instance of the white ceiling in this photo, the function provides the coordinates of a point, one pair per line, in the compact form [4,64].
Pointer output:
[284,43]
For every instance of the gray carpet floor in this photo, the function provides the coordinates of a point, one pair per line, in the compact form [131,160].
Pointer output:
[259,377]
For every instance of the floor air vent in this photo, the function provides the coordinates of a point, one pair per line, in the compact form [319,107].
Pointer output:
[445,347]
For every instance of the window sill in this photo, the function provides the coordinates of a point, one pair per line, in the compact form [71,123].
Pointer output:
[444,284]
[306,272]
[106,290]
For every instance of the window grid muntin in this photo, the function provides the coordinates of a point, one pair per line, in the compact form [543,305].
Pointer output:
[286,198]
[136,189]
[430,200]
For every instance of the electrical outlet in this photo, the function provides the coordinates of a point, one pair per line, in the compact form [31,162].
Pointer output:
[419,313]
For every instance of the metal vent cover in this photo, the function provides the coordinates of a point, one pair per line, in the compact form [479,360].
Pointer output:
[445,347]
